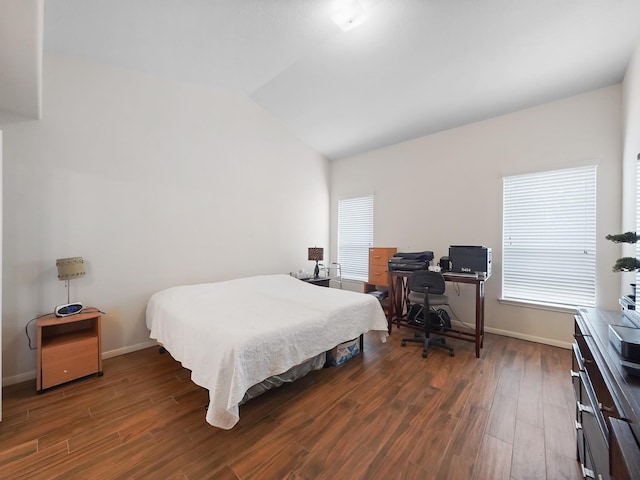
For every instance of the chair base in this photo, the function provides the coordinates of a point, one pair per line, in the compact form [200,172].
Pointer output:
[429,342]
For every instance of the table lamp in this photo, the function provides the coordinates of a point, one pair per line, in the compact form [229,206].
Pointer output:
[316,253]
[68,269]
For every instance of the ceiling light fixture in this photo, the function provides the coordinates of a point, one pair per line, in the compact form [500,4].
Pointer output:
[349,14]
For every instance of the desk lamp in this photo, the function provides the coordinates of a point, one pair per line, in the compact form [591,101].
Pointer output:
[316,253]
[68,269]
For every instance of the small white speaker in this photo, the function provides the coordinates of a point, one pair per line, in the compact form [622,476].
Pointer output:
[68,309]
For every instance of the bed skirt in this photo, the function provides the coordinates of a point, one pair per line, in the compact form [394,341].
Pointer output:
[291,375]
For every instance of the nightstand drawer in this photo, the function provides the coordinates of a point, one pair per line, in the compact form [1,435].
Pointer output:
[67,361]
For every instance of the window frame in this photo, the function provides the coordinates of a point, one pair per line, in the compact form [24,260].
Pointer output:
[354,262]
[557,273]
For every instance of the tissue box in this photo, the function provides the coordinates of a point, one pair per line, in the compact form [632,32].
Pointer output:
[343,352]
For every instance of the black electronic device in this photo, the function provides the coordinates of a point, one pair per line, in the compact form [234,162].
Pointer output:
[470,259]
[410,262]
[629,312]
[445,264]
[626,341]
[68,309]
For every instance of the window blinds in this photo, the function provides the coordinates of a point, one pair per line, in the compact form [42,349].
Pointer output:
[549,237]
[355,236]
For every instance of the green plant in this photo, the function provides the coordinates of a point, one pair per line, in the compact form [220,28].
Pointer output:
[625,264]
[629,237]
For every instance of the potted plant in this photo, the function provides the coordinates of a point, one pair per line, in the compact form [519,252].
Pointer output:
[625,264]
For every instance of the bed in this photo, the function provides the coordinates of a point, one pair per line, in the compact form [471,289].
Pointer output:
[235,334]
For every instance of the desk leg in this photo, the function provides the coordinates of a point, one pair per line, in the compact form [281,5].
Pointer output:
[397,299]
[479,317]
[482,314]
[391,308]
[401,289]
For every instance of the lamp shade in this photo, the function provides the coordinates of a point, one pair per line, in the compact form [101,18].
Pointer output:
[316,253]
[70,268]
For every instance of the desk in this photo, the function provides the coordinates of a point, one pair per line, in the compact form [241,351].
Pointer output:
[399,290]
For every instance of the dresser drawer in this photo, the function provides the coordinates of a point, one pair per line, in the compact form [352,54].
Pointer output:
[594,429]
[581,452]
[576,367]
[380,255]
[379,275]
[625,460]
[584,354]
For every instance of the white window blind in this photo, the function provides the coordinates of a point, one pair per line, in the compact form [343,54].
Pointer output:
[355,236]
[637,249]
[549,237]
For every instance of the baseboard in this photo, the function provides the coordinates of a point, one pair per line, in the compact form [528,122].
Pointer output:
[129,349]
[529,338]
[24,377]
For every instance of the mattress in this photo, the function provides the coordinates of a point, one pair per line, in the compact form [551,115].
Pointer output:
[235,334]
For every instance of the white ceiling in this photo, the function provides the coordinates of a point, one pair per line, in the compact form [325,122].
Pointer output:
[414,67]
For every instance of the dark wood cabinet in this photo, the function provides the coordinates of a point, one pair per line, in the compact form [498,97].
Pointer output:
[607,401]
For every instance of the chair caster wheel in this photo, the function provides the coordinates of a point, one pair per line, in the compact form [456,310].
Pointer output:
[404,344]
[424,354]
[451,354]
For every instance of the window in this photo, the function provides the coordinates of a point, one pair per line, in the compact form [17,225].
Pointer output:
[549,237]
[355,236]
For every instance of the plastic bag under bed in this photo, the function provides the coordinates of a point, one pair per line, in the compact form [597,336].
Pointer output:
[294,373]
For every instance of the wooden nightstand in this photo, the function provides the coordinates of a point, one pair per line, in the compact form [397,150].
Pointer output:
[320,281]
[68,348]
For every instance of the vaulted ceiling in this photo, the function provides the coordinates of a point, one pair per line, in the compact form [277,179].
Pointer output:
[414,67]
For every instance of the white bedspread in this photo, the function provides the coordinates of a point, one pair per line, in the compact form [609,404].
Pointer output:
[234,334]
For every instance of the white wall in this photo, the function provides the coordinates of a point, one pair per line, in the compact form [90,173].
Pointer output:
[1,150]
[446,189]
[20,59]
[631,135]
[155,184]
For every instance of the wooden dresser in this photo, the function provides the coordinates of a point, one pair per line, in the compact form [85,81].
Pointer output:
[607,401]
[378,267]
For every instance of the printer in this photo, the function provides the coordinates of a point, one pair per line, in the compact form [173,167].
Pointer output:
[470,259]
[410,262]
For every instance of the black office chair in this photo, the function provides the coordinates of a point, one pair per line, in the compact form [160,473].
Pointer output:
[427,288]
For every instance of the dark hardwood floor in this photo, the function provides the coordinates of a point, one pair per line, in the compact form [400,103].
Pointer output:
[387,414]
